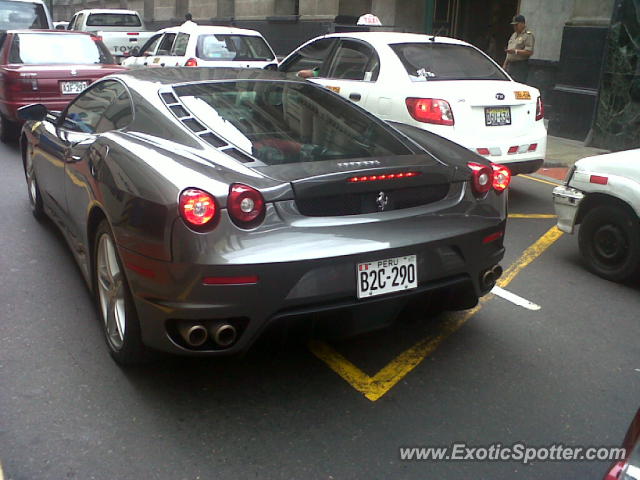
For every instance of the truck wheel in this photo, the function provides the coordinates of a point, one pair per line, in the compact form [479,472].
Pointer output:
[609,241]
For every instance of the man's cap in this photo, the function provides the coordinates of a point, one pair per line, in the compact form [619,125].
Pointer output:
[518,19]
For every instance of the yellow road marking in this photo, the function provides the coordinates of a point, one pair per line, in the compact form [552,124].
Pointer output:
[540,180]
[375,387]
[532,215]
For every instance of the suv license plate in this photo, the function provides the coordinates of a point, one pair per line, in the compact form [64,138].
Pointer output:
[72,88]
[497,116]
[386,276]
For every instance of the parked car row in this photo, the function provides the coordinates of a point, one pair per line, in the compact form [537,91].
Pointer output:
[442,85]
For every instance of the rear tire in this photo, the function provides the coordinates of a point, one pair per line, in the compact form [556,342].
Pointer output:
[116,309]
[609,241]
[8,130]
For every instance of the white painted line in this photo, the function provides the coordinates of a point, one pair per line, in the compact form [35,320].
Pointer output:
[513,298]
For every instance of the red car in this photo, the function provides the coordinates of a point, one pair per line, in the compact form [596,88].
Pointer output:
[49,67]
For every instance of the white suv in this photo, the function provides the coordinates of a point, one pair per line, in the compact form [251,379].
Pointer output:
[203,46]
[446,86]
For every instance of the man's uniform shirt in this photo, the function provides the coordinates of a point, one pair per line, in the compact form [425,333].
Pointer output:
[520,41]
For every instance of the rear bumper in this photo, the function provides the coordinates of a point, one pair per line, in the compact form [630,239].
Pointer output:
[302,288]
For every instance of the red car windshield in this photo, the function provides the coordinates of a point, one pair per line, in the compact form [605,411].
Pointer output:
[58,49]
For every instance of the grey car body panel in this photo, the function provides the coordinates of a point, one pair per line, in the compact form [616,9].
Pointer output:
[134,177]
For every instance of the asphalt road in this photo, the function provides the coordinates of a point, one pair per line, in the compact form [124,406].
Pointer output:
[568,373]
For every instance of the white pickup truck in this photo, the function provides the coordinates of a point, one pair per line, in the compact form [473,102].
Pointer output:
[122,31]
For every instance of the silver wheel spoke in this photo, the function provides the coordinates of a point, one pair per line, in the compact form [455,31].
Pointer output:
[111,291]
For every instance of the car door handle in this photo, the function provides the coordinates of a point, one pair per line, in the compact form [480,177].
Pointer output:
[355,97]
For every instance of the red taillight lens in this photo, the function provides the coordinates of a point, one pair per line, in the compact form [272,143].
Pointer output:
[482,178]
[20,85]
[501,177]
[246,205]
[198,208]
[539,109]
[96,38]
[532,147]
[430,110]
[133,33]
[192,62]
[483,151]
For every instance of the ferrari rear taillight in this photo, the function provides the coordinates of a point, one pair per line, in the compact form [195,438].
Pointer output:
[430,110]
[501,177]
[485,177]
[198,209]
[482,176]
[192,62]
[246,205]
[539,109]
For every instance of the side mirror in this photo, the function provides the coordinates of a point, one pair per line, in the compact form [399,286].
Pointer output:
[35,111]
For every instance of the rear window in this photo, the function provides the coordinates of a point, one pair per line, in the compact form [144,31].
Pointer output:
[289,122]
[232,47]
[57,48]
[15,15]
[441,61]
[113,20]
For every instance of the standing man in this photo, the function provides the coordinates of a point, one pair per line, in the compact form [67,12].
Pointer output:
[519,49]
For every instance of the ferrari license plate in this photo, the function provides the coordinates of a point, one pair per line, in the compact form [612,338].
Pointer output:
[72,88]
[387,276]
[497,116]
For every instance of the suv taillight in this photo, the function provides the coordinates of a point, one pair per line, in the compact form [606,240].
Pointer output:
[245,205]
[198,209]
[539,109]
[430,110]
[192,62]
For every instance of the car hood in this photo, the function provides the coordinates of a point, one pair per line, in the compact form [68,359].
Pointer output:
[624,164]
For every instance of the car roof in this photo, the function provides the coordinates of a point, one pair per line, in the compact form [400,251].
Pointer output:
[40,30]
[41,2]
[108,10]
[209,29]
[155,78]
[382,38]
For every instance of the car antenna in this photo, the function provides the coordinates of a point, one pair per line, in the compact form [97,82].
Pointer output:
[433,37]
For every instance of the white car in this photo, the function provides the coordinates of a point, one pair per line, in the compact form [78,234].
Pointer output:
[602,194]
[203,46]
[439,84]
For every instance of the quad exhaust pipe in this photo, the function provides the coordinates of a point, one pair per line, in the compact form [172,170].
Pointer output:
[489,277]
[223,333]
[193,334]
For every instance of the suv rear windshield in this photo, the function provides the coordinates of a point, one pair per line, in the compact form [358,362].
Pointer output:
[15,15]
[441,61]
[113,20]
[232,47]
[289,122]
[57,48]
